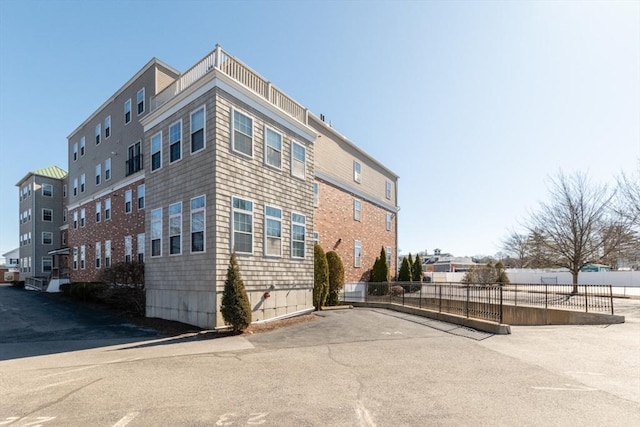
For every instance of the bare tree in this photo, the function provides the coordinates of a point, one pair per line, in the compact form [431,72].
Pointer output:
[629,192]
[577,226]
[517,246]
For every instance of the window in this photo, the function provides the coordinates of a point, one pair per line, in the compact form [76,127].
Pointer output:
[47,264]
[64,215]
[47,215]
[388,221]
[128,248]
[98,133]
[107,253]
[107,127]
[82,183]
[357,253]
[175,137]
[175,228]
[298,159]
[75,186]
[198,205]
[156,151]
[98,173]
[242,237]
[316,194]
[98,255]
[83,215]
[127,111]
[140,194]
[387,189]
[75,151]
[63,238]
[98,211]
[47,238]
[316,237]
[128,199]
[242,133]
[272,231]
[389,257]
[298,231]
[197,130]
[273,148]
[357,210]
[47,190]
[140,100]
[29,214]
[156,232]
[107,169]
[357,169]
[83,254]
[64,190]
[141,248]
[82,146]
[75,220]
[107,209]
[134,160]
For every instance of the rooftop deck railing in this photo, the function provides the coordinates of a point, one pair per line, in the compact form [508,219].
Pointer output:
[219,60]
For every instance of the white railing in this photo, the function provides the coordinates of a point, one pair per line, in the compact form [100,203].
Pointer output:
[234,68]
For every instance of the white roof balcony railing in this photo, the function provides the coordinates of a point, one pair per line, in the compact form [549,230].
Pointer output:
[235,69]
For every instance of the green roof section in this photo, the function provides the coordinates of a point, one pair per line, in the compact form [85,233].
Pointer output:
[54,172]
[51,172]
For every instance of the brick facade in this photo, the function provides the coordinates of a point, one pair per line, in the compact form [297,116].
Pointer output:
[115,229]
[338,230]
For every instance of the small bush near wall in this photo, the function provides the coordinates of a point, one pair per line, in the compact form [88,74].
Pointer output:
[85,291]
[336,277]
[320,277]
[235,308]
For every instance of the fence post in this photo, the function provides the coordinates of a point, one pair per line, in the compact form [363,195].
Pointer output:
[439,298]
[467,307]
[420,300]
[516,295]
[501,315]
[546,295]
[402,295]
[586,302]
[611,298]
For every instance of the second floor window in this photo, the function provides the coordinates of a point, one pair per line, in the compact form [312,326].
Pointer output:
[127,111]
[156,151]
[197,130]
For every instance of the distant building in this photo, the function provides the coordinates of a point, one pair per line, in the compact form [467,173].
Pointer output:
[41,216]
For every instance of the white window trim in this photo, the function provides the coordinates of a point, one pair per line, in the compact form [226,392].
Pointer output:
[107,119]
[83,146]
[48,186]
[179,215]
[203,209]
[233,134]
[105,169]
[107,253]
[128,248]
[233,230]
[316,194]
[98,212]
[151,233]
[357,210]
[141,246]
[177,122]
[47,209]
[144,103]
[266,146]
[83,183]
[98,134]
[388,221]
[357,174]
[144,196]
[266,237]
[128,194]
[49,233]
[128,101]
[357,261]
[304,242]
[107,208]
[151,152]
[387,190]
[304,177]
[203,107]
[83,218]
[98,256]
[75,152]
[83,257]
[98,178]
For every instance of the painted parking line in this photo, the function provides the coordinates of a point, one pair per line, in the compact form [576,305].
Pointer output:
[126,419]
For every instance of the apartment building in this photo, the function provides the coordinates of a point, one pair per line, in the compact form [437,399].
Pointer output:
[356,203]
[181,170]
[106,195]
[41,195]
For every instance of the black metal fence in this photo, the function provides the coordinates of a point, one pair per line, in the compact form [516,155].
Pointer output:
[482,301]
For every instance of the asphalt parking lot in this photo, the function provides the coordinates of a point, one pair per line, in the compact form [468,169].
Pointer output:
[358,367]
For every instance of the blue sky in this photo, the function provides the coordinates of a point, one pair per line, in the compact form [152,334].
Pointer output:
[474,104]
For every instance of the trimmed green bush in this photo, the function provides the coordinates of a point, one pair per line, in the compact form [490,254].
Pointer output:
[404,275]
[336,277]
[235,309]
[416,269]
[320,277]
